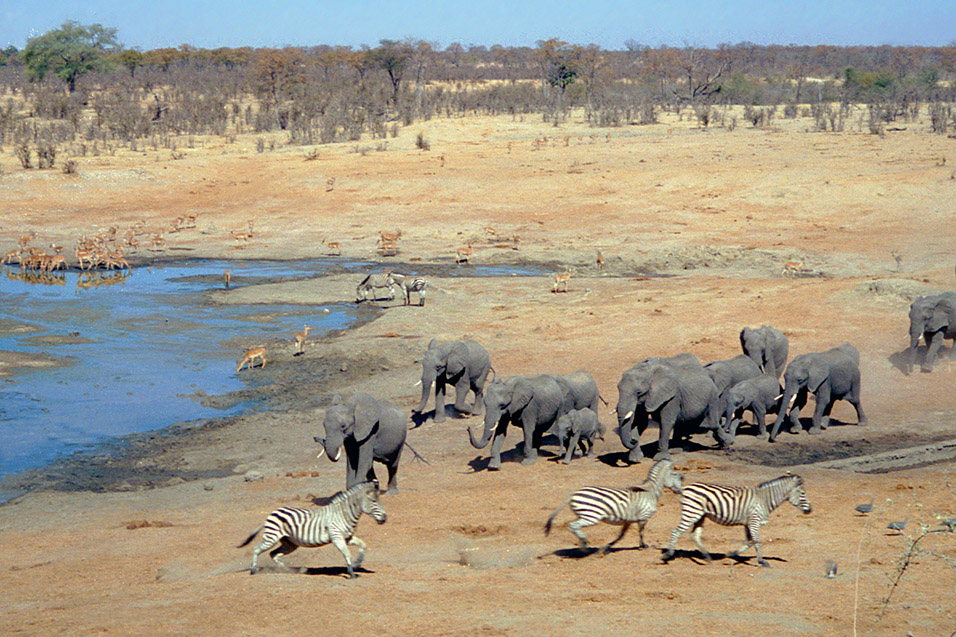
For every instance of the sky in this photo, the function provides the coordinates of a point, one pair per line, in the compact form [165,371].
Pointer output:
[607,23]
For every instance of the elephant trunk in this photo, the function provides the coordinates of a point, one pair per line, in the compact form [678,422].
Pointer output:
[426,381]
[915,333]
[333,451]
[786,404]
[625,423]
[491,419]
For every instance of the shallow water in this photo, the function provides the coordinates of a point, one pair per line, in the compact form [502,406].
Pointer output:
[139,349]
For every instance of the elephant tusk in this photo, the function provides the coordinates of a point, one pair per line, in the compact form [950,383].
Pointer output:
[628,415]
[792,400]
[337,454]
[612,412]
[779,397]
[417,383]
[321,452]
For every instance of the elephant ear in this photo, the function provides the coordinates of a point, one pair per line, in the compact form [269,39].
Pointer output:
[432,344]
[365,417]
[664,387]
[817,374]
[939,319]
[457,359]
[521,395]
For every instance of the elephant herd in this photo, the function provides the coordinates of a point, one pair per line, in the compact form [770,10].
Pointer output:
[678,393]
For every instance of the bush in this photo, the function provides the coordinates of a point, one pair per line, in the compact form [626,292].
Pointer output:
[422,143]
[69,167]
[23,154]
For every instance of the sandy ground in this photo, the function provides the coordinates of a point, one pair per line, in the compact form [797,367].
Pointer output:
[151,549]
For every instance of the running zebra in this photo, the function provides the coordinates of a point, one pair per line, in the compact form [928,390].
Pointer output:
[619,506]
[736,506]
[292,527]
[373,282]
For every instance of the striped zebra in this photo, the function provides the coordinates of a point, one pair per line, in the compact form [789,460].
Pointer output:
[373,282]
[409,284]
[619,506]
[292,527]
[736,506]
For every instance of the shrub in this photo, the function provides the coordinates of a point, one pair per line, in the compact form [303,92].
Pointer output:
[422,143]
[69,167]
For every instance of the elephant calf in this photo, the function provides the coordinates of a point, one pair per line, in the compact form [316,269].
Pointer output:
[578,427]
[760,395]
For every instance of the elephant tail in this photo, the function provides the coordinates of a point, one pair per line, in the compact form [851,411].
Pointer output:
[603,401]
[547,525]
[416,455]
[250,538]
[494,374]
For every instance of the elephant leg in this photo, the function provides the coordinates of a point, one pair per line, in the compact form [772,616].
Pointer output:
[821,411]
[530,450]
[732,425]
[854,399]
[931,350]
[663,443]
[760,419]
[587,447]
[461,392]
[479,406]
[575,439]
[440,400]
[392,467]
[496,443]
[636,455]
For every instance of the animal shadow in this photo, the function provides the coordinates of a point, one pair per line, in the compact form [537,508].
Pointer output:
[328,570]
[515,454]
[695,556]
[900,360]
[577,553]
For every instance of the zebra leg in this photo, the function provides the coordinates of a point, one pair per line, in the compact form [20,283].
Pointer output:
[343,548]
[685,524]
[576,526]
[285,548]
[624,528]
[754,532]
[746,546]
[361,555]
[698,527]
[640,527]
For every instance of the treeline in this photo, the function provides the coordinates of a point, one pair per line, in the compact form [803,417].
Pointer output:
[326,94]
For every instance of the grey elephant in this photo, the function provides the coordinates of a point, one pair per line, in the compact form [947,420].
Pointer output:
[581,392]
[831,376]
[534,404]
[767,347]
[464,364]
[760,395]
[369,429]
[578,427]
[677,393]
[728,373]
[933,318]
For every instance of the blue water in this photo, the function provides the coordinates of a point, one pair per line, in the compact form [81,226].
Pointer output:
[154,343]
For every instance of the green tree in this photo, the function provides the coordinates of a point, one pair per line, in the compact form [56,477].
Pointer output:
[392,56]
[69,52]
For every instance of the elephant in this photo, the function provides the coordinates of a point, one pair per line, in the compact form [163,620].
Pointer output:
[534,404]
[831,376]
[578,427]
[464,364]
[728,373]
[761,395]
[676,392]
[766,346]
[581,392]
[369,429]
[933,318]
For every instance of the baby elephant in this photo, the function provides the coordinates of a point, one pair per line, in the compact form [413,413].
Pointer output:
[578,427]
[761,395]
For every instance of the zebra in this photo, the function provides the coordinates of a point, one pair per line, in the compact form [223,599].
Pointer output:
[619,506]
[292,527]
[409,284]
[373,282]
[736,506]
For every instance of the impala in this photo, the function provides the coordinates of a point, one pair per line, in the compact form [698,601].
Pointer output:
[300,339]
[227,277]
[387,248]
[335,248]
[463,255]
[792,268]
[251,356]
[390,236]
[600,261]
[561,280]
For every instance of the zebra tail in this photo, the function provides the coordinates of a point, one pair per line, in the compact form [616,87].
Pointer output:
[417,456]
[250,538]
[547,525]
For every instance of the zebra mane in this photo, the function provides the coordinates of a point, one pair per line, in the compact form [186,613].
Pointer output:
[351,492]
[655,473]
[797,481]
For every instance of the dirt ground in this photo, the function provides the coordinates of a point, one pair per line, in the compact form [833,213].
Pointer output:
[695,227]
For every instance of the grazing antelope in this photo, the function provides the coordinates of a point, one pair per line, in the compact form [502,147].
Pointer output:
[251,356]
[191,219]
[10,256]
[25,240]
[158,242]
[561,280]
[57,249]
[84,256]
[54,262]
[227,277]
[792,268]
[300,339]
[116,260]
[463,255]
[240,237]
[600,261]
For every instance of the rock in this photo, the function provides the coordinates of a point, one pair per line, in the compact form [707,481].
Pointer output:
[252,476]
